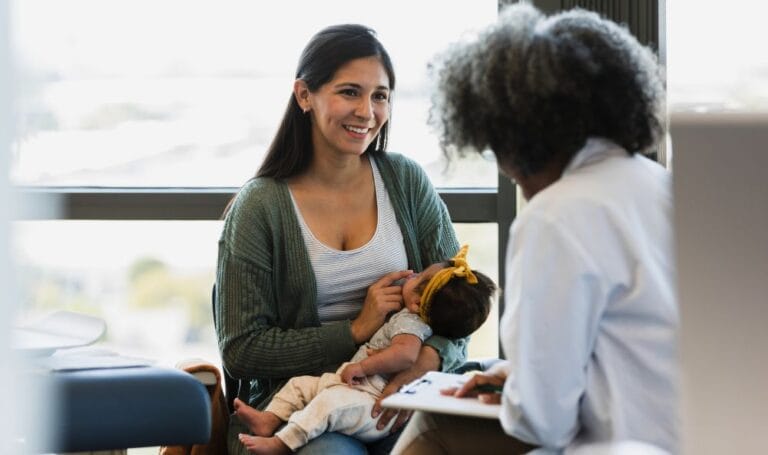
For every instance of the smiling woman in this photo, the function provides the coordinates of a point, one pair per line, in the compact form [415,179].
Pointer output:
[347,114]
[313,248]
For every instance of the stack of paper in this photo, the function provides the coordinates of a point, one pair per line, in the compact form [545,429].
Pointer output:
[62,329]
[55,343]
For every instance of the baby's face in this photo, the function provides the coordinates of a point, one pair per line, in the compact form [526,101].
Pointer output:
[414,285]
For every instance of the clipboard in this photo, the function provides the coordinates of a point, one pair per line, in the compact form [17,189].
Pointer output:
[423,394]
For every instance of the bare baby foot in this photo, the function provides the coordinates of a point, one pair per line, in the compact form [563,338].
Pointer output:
[261,423]
[264,446]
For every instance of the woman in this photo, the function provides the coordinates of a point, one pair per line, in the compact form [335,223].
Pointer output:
[566,103]
[307,241]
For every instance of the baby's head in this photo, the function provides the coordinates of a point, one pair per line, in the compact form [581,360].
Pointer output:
[453,299]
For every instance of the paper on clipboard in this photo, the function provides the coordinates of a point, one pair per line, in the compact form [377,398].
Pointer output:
[423,394]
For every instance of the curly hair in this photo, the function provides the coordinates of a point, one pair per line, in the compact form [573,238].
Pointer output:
[534,88]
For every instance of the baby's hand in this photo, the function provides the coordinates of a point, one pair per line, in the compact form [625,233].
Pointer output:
[353,374]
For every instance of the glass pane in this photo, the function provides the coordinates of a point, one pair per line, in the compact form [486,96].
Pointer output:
[151,281]
[483,240]
[717,67]
[178,93]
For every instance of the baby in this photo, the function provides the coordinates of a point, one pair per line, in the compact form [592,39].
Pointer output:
[446,299]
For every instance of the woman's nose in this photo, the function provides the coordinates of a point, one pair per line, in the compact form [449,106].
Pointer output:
[364,109]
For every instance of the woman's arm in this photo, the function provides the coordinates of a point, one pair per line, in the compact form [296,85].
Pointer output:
[255,340]
[267,322]
[428,360]
[266,319]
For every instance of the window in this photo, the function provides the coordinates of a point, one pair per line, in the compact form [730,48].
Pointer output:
[713,61]
[153,285]
[188,94]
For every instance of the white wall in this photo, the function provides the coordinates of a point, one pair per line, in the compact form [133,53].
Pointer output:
[25,406]
[8,382]
[721,216]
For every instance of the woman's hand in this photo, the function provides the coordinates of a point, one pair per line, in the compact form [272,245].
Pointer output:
[383,298]
[401,416]
[428,360]
[353,374]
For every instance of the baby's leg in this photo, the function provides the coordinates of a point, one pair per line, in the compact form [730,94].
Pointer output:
[297,392]
[261,423]
[264,446]
[338,408]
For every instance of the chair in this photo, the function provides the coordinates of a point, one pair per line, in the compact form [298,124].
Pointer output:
[222,389]
[232,386]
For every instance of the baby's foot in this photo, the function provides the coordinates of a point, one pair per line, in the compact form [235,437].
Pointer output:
[261,423]
[264,446]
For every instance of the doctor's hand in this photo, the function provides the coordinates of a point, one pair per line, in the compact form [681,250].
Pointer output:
[486,387]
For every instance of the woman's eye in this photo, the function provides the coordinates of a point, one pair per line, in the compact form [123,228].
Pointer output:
[349,92]
[381,97]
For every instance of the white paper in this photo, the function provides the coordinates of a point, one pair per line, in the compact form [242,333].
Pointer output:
[424,395]
[60,330]
[85,361]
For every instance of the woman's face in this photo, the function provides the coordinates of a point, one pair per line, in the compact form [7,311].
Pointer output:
[350,109]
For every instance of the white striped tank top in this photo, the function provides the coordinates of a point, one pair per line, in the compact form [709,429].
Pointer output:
[343,277]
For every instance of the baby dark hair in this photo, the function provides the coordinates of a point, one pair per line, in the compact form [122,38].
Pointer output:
[457,300]
[459,308]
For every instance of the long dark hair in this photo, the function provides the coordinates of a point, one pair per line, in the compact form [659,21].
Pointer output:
[291,150]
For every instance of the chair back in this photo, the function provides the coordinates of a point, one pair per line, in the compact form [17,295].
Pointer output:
[231,385]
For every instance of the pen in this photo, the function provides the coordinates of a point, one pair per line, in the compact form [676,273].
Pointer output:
[488,388]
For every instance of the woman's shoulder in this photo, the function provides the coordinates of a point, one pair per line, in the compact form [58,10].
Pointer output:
[258,195]
[403,167]
[258,190]
[396,159]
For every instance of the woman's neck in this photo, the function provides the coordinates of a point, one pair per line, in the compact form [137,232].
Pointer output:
[336,171]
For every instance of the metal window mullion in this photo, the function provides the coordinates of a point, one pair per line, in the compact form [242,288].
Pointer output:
[464,205]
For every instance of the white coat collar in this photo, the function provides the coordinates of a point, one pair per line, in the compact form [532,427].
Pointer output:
[595,150]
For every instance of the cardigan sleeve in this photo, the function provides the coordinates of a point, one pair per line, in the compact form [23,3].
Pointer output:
[264,331]
[251,340]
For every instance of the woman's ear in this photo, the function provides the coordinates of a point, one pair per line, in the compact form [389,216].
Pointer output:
[301,93]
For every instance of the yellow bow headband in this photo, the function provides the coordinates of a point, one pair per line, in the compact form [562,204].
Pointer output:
[459,269]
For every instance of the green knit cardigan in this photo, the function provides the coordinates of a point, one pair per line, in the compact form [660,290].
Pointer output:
[267,322]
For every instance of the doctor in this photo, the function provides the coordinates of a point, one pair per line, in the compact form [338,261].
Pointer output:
[568,104]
